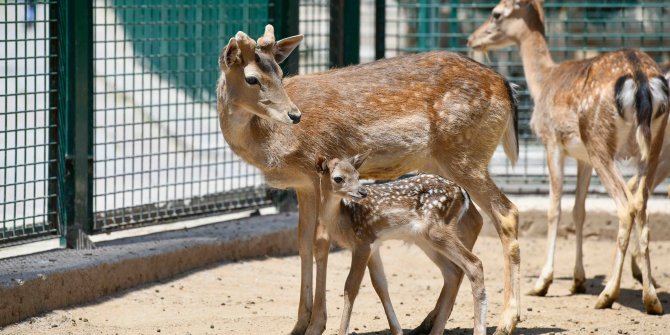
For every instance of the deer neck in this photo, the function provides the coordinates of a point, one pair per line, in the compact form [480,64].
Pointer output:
[259,142]
[537,61]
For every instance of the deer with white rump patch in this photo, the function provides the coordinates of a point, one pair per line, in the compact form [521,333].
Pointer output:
[427,210]
[597,110]
[437,112]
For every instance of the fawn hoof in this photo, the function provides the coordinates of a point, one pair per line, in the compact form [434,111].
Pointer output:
[578,287]
[605,301]
[425,327]
[300,328]
[315,329]
[653,306]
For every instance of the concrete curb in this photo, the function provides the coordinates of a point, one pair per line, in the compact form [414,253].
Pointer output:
[34,284]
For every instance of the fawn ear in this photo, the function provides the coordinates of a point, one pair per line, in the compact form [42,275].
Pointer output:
[230,55]
[358,160]
[285,46]
[321,165]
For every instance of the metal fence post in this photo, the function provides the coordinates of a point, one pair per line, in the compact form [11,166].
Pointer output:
[345,35]
[54,101]
[380,29]
[76,121]
[285,15]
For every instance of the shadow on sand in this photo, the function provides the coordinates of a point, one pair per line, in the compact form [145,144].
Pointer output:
[489,330]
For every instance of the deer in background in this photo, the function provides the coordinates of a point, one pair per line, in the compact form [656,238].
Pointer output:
[436,112]
[427,210]
[596,110]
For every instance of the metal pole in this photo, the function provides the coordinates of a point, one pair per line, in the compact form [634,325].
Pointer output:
[285,15]
[380,29]
[345,35]
[76,116]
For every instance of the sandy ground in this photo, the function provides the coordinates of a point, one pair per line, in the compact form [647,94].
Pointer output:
[260,297]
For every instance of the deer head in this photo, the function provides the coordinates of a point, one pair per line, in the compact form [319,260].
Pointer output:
[254,78]
[508,24]
[342,174]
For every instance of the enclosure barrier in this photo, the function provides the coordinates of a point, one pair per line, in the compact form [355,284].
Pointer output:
[110,117]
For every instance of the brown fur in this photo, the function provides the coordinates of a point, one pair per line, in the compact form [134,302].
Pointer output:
[579,111]
[438,112]
[427,210]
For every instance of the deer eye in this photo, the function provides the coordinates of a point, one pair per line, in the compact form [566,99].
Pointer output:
[496,15]
[251,80]
[338,180]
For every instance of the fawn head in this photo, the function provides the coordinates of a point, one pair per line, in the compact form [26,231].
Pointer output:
[254,78]
[342,175]
[508,24]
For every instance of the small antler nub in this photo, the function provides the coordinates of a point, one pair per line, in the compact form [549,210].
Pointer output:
[267,41]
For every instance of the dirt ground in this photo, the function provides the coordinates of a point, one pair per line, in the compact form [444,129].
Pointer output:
[260,297]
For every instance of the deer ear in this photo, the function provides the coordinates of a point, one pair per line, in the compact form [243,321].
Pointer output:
[285,47]
[358,160]
[230,55]
[321,165]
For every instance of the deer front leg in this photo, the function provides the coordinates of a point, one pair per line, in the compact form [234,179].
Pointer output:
[307,216]
[359,259]
[555,164]
[317,324]
[578,214]
[381,287]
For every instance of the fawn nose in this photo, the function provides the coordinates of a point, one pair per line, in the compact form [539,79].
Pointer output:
[294,114]
[362,192]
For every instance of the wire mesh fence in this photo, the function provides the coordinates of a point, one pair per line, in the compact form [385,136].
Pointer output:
[159,153]
[574,30]
[27,97]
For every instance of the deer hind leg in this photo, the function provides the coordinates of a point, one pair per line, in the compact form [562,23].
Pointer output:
[555,160]
[505,217]
[578,213]
[467,230]
[452,275]
[646,169]
[359,259]
[317,323]
[381,287]
[636,257]
[307,216]
[447,244]
[617,189]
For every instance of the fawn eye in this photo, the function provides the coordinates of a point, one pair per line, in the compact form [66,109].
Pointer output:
[338,180]
[251,80]
[496,15]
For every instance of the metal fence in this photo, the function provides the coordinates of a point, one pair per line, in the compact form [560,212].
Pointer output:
[158,150]
[110,116]
[28,99]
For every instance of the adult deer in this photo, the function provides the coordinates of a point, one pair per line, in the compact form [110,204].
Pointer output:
[436,112]
[596,110]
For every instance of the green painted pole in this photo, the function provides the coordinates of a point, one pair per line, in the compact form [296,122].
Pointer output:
[380,29]
[76,121]
[285,16]
[345,35]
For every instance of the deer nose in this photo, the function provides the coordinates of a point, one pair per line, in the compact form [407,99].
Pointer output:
[294,114]
[362,192]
